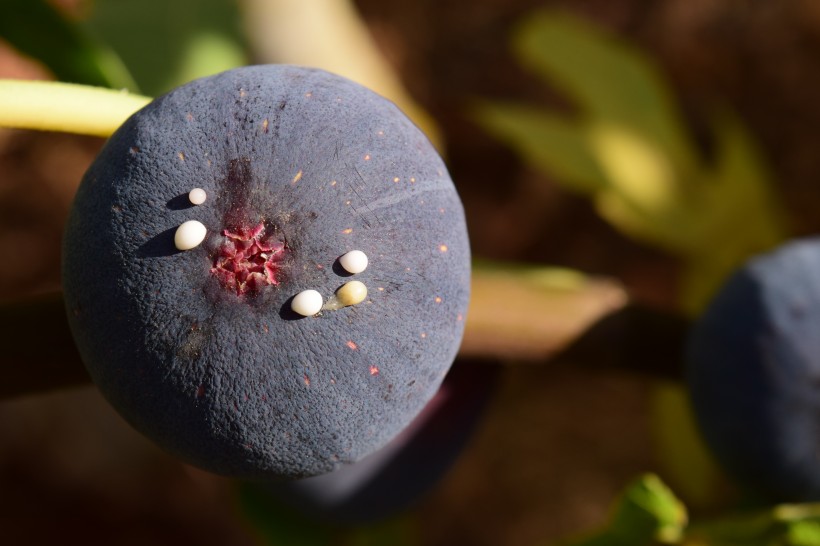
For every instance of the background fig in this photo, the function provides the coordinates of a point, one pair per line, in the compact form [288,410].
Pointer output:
[199,349]
[753,371]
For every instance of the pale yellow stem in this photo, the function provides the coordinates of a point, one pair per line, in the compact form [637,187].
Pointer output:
[65,107]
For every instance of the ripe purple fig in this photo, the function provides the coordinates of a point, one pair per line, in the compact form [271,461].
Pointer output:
[753,369]
[187,307]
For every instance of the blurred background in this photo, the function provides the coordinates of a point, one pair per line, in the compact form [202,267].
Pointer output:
[538,115]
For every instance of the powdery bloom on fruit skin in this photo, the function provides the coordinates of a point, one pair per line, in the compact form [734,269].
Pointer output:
[248,260]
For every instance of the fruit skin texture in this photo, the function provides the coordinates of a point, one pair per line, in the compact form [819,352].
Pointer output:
[754,372]
[395,477]
[238,383]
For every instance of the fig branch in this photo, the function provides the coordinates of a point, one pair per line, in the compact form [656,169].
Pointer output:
[66,107]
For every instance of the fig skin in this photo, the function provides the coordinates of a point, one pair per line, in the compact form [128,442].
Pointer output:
[396,477]
[754,374]
[236,383]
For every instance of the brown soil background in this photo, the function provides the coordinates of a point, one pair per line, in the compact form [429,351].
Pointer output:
[558,441]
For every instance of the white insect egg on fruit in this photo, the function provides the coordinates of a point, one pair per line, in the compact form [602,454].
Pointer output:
[307,303]
[197,196]
[189,235]
[354,261]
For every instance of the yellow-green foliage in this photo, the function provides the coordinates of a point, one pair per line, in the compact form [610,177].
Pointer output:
[628,148]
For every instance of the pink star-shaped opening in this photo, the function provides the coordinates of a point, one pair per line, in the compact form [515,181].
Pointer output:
[248,259]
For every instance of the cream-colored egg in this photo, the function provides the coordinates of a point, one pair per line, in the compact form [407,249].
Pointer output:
[189,235]
[354,261]
[351,293]
[197,196]
[307,303]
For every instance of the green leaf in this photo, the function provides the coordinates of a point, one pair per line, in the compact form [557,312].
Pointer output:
[783,525]
[36,29]
[627,145]
[628,148]
[644,196]
[738,193]
[169,43]
[804,533]
[688,466]
[647,513]
[610,80]
[649,509]
[556,146]
[743,182]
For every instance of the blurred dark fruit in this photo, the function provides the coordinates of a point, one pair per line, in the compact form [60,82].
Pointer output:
[754,374]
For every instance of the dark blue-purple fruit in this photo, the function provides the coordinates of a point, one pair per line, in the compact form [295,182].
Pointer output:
[754,373]
[393,478]
[202,349]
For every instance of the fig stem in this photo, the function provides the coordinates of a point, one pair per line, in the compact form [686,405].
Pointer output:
[65,107]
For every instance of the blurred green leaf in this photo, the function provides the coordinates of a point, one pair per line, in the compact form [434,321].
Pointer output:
[643,198]
[784,525]
[627,145]
[647,513]
[610,80]
[547,141]
[649,508]
[38,30]
[804,533]
[738,193]
[754,530]
[628,148]
[688,466]
[166,44]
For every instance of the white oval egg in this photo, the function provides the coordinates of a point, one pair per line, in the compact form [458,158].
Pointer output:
[189,235]
[197,196]
[307,303]
[354,261]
